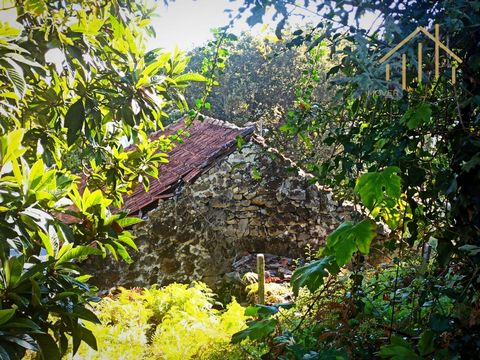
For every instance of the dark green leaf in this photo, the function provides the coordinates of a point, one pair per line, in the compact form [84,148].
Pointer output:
[398,349]
[25,341]
[89,338]
[6,315]
[256,330]
[48,347]
[74,120]
[312,275]
[426,343]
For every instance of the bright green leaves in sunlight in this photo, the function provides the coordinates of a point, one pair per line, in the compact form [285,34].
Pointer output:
[312,275]
[11,146]
[74,120]
[375,187]
[69,100]
[417,116]
[7,30]
[381,193]
[88,25]
[349,238]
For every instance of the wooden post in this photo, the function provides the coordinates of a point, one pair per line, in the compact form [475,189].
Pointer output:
[261,278]
[437,51]
[420,60]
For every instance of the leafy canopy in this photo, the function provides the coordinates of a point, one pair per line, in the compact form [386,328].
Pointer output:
[76,85]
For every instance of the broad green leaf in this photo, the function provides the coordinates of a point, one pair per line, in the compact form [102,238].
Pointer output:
[36,173]
[77,253]
[88,26]
[22,59]
[120,249]
[74,120]
[36,7]
[15,75]
[426,343]
[417,116]
[472,250]
[6,315]
[22,324]
[350,237]
[89,338]
[256,330]
[25,341]
[47,244]
[129,221]
[265,311]
[157,64]
[92,199]
[127,239]
[190,77]
[15,268]
[48,347]
[83,313]
[312,275]
[398,349]
[12,145]
[6,30]
[374,187]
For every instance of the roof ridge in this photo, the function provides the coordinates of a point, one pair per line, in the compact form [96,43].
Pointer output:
[260,140]
[209,140]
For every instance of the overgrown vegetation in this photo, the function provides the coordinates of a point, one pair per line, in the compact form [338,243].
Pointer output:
[409,163]
[75,83]
[175,322]
[259,81]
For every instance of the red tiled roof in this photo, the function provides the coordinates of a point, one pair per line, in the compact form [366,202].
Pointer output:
[209,140]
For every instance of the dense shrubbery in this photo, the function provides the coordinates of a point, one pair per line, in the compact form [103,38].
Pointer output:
[75,84]
[410,165]
[333,321]
[177,322]
[260,81]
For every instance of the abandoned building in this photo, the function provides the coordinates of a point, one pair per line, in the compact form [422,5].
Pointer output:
[215,201]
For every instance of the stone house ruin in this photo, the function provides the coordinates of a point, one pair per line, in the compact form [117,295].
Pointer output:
[214,202]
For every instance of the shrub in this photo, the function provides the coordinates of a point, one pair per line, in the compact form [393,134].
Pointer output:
[174,322]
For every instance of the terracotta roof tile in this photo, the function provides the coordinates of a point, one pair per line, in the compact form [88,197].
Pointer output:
[209,140]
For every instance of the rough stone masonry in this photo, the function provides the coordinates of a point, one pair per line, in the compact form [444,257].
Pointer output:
[251,200]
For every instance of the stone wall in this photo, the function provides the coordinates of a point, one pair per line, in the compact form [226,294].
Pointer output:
[249,201]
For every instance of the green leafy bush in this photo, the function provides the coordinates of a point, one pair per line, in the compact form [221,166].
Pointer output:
[174,322]
[73,115]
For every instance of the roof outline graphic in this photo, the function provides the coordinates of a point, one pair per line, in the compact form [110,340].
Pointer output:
[411,36]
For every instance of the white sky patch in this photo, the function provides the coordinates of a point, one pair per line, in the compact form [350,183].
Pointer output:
[9,16]
[370,21]
[57,57]
[187,23]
